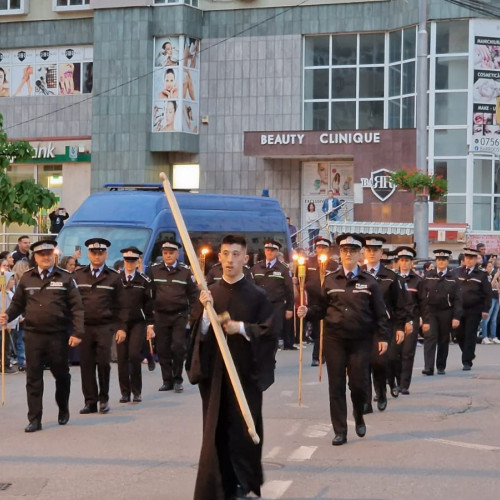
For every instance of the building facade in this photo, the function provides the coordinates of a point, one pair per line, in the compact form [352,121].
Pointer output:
[246,96]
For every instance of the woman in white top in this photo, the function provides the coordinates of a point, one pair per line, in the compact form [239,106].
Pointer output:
[313,228]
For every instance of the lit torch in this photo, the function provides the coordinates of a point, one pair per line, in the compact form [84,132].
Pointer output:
[203,253]
[322,271]
[301,274]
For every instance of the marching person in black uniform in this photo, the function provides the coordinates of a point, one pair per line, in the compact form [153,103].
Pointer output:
[313,286]
[174,292]
[476,302]
[102,293]
[442,312]
[354,311]
[48,297]
[402,356]
[138,301]
[276,279]
[396,302]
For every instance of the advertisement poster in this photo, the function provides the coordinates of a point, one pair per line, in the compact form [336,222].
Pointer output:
[176,84]
[46,71]
[317,179]
[486,86]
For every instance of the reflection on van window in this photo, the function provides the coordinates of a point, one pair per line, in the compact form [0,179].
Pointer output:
[120,237]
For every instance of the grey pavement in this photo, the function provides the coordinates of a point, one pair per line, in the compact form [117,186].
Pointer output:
[441,441]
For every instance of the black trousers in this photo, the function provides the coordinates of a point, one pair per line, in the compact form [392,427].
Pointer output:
[402,356]
[353,355]
[278,320]
[129,359]
[466,335]
[42,348]
[379,370]
[170,330]
[437,336]
[95,353]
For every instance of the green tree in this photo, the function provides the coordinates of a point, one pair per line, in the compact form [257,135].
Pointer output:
[19,202]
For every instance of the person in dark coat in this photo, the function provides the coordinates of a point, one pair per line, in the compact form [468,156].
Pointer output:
[230,462]
[441,314]
[476,302]
[48,297]
[138,301]
[57,218]
[354,311]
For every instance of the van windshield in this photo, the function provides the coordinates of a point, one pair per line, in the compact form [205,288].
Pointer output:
[120,237]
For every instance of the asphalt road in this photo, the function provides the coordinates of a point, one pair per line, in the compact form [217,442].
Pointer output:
[441,441]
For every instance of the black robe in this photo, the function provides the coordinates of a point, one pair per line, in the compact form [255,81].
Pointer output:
[228,455]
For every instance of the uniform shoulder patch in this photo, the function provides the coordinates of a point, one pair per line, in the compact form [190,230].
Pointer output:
[63,270]
[114,270]
[184,266]
[146,277]
[156,264]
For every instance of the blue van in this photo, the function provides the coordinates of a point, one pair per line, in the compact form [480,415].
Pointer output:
[140,215]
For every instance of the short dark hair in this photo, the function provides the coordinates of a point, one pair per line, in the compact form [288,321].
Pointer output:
[480,245]
[427,265]
[234,239]
[22,238]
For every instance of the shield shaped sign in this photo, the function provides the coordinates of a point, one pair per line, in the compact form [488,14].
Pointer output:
[381,184]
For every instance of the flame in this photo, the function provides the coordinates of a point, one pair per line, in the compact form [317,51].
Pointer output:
[323,258]
[204,251]
[301,261]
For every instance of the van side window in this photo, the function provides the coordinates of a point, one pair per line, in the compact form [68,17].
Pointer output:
[156,252]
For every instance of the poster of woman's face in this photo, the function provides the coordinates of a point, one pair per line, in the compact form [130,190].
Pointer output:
[4,82]
[166,83]
[167,51]
[167,116]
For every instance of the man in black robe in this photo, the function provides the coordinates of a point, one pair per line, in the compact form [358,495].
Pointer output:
[230,463]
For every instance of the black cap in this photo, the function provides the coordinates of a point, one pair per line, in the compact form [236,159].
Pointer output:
[131,253]
[350,240]
[40,245]
[406,252]
[374,241]
[99,244]
[471,252]
[322,242]
[170,245]
[272,244]
[442,253]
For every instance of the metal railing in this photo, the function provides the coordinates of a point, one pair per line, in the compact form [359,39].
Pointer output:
[8,241]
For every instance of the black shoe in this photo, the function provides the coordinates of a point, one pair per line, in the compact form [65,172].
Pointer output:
[381,404]
[168,386]
[395,391]
[137,398]
[291,348]
[9,369]
[125,399]
[33,426]
[104,408]
[21,368]
[63,417]
[340,438]
[178,388]
[88,409]
[360,425]
[315,362]
[428,372]
[467,367]
[404,391]
[151,365]
[367,408]
[441,372]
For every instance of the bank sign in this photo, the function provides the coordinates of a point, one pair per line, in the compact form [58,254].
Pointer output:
[380,184]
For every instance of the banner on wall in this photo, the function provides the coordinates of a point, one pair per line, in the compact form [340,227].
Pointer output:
[176,83]
[485,134]
[46,71]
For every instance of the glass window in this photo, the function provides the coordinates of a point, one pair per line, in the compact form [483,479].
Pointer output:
[450,142]
[409,43]
[394,113]
[371,115]
[408,114]
[343,83]
[482,175]
[497,177]
[481,213]
[18,173]
[451,73]
[186,176]
[6,5]
[317,50]
[316,84]
[454,171]
[371,48]
[395,46]
[344,115]
[316,116]
[371,82]
[451,109]
[394,80]
[344,50]
[455,209]
[409,77]
[452,37]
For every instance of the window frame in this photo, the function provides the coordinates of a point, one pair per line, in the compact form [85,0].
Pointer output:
[70,8]
[23,9]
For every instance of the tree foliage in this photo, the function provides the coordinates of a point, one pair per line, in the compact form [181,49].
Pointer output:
[19,202]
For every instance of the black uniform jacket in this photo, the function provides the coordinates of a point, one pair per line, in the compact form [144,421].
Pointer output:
[475,288]
[173,291]
[215,274]
[53,305]
[352,309]
[102,297]
[414,284]
[441,293]
[276,281]
[396,298]
[138,298]
[313,280]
